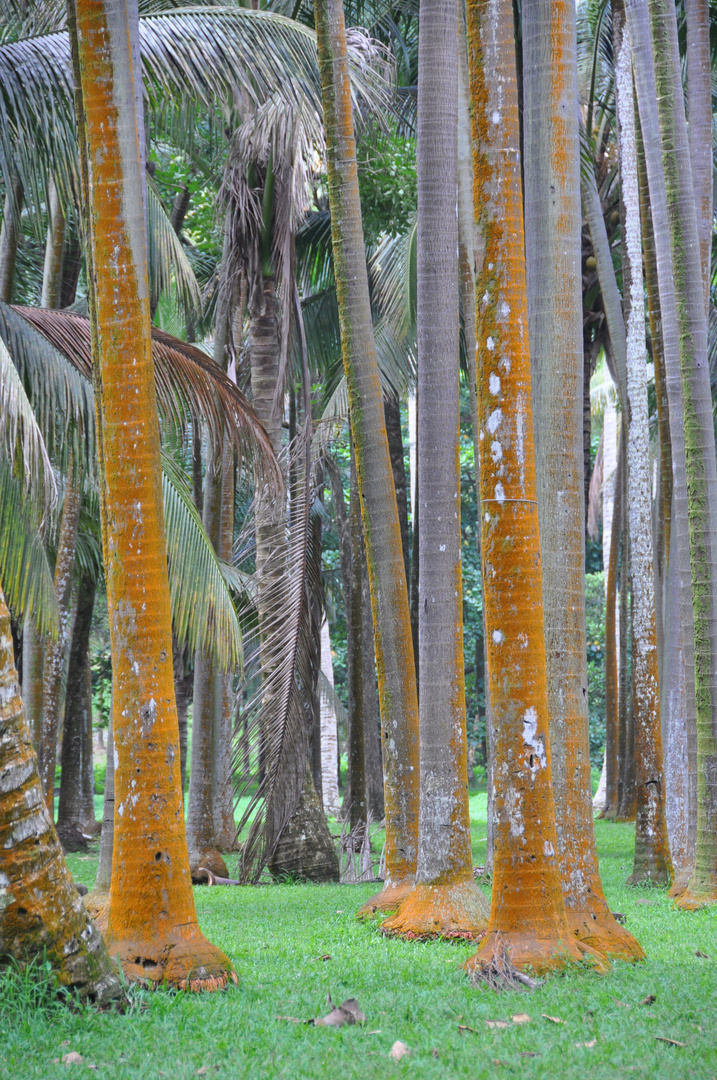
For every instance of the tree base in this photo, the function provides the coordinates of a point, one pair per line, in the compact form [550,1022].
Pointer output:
[536,955]
[183,959]
[209,859]
[691,899]
[599,930]
[660,877]
[455,910]
[387,900]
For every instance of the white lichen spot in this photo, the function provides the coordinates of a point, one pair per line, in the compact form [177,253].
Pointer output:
[442,547]
[494,384]
[120,809]
[533,741]
[515,816]
[505,310]
[548,848]
[523,640]
[499,493]
[496,451]
[496,117]
[490,344]
[497,636]
[494,421]
[116,758]
[487,517]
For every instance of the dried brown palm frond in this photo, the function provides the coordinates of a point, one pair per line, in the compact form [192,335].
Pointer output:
[498,971]
[188,383]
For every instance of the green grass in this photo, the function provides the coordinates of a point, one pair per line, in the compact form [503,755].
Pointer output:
[409,991]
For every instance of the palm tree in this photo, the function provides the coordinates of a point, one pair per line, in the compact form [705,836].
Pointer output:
[527,908]
[653,36]
[445,900]
[152,924]
[389,595]
[553,222]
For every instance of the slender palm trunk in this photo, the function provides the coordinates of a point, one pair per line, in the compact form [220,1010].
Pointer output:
[371,731]
[652,851]
[152,922]
[653,34]
[699,106]
[9,235]
[553,226]
[527,908]
[41,914]
[224,826]
[612,708]
[329,734]
[389,597]
[355,809]
[446,900]
[98,899]
[73,807]
[55,650]
[33,661]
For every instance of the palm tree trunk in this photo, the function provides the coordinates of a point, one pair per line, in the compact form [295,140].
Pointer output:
[52,275]
[652,851]
[355,810]
[152,923]
[329,734]
[699,106]
[98,900]
[612,708]
[373,765]
[72,808]
[9,239]
[389,596]
[224,826]
[446,899]
[55,650]
[553,227]
[392,415]
[527,909]
[653,34]
[41,915]
[33,662]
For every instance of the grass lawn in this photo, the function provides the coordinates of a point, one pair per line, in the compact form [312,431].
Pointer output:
[409,991]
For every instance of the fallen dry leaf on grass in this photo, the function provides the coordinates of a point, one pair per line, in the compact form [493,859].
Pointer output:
[587,1045]
[324,956]
[465,1027]
[672,1042]
[702,954]
[529,1053]
[73,1058]
[649,1000]
[497,1023]
[398,1050]
[552,1019]
[434,1053]
[346,1013]
[521,1018]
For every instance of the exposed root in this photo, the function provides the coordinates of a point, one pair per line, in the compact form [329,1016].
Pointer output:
[497,972]
[456,910]
[537,955]
[601,931]
[388,900]
[183,959]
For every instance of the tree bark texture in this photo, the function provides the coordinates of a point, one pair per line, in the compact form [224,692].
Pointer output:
[699,108]
[446,900]
[527,909]
[553,228]
[652,851]
[152,923]
[41,914]
[9,239]
[389,597]
[329,734]
[686,322]
[73,807]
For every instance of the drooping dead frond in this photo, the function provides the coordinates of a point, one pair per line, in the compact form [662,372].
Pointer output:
[595,493]
[188,383]
[272,737]
[20,436]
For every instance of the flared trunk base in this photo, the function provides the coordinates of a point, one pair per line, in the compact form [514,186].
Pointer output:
[692,898]
[536,955]
[206,859]
[454,910]
[655,872]
[183,959]
[602,932]
[388,900]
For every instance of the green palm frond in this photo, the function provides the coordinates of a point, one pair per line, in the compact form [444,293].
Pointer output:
[392,274]
[21,438]
[169,267]
[25,574]
[59,391]
[203,614]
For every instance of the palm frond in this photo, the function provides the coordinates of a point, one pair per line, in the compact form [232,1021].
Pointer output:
[25,574]
[21,438]
[203,614]
[169,267]
[274,723]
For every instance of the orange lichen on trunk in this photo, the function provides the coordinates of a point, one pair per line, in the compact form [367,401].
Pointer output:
[152,923]
[527,909]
